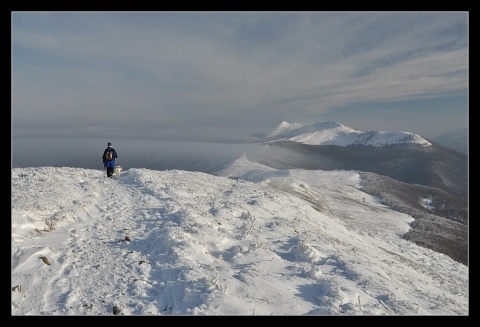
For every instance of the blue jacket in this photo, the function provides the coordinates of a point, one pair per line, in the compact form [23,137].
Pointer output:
[109,163]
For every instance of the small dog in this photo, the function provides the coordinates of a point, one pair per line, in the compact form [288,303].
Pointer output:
[117,171]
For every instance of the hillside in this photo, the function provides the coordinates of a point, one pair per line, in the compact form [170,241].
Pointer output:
[407,172]
[269,242]
[433,166]
[441,220]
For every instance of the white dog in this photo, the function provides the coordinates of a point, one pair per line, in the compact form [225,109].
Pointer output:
[117,171]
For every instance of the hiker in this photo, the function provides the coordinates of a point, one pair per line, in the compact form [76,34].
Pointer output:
[109,156]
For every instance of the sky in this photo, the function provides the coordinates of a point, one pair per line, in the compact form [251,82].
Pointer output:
[230,76]
[250,240]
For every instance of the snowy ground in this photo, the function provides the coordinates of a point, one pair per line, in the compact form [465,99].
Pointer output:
[273,242]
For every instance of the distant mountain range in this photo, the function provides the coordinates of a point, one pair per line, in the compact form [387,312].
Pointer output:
[403,169]
[333,133]
[456,139]
[404,156]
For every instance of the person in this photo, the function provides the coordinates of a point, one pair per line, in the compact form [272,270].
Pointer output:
[109,164]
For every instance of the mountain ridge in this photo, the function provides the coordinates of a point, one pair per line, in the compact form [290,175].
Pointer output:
[440,219]
[335,133]
[403,169]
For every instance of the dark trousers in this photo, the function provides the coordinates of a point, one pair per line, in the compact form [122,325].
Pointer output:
[110,171]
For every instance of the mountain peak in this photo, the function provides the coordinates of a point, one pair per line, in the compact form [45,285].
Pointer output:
[282,129]
[335,133]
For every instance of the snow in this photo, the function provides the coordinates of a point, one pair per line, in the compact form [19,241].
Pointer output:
[250,240]
[334,133]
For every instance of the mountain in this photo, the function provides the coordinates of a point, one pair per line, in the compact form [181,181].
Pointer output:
[456,139]
[407,172]
[403,156]
[183,243]
[333,133]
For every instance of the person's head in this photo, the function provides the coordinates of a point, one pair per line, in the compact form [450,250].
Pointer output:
[109,143]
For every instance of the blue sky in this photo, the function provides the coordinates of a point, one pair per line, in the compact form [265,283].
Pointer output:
[231,76]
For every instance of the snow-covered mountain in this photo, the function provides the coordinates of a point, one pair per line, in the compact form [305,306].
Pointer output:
[262,242]
[406,168]
[334,133]
[403,156]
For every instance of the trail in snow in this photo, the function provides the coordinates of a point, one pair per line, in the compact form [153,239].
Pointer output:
[189,243]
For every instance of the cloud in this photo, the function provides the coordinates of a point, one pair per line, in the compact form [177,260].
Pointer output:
[158,69]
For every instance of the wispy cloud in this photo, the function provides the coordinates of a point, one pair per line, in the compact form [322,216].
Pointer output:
[166,68]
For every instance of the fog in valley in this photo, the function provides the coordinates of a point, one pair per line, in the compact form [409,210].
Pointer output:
[151,154]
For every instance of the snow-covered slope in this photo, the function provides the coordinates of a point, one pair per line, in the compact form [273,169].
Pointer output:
[273,242]
[333,133]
